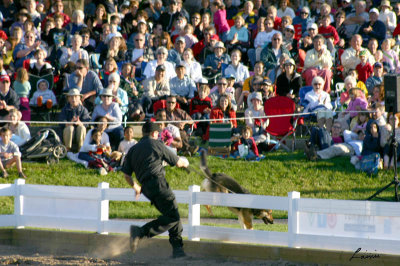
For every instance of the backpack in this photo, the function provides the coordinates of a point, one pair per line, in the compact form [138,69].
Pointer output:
[370,163]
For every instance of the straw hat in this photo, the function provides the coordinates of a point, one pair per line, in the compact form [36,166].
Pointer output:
[73,92]
[386,3]
[107,92]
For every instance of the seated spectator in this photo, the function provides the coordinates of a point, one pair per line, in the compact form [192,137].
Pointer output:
[111,111]
[306,42]
[249,146]
[341,29]
[272,53]
[376,78]
[378,96]
[127,143]
[329,32]
[214,61]
[258,125]
[190,38]
[116,49]
[169,133]
[238,71]
[27,49]
[318,62]
[390,57]
[222,85]
[77,22]
[231,10]
[289,82]
[372,140]
[272,14]
[193,68]
[290,43]
[74,53]
[39,67]
[248,85]
[8,98]
[304,19]
[262,40]
[351,56]
[175,55]
[151,66]
[387,16]
[43,98]
[22,87]
[141,53]
[320,102]
[357,103]
[364,68]
[87,43]
[129,84]
[9,154]
[58,35]
[360,84]
[96,149]
[20,131]
[182,87]
[155,88]
[86,81]
[223,112]
[354,20]
[58,8]
[284,10]
[120,95]
[75,113]
[238,35]
[179,115]
[205,47]
[374,28]
[200,108]
[248,14]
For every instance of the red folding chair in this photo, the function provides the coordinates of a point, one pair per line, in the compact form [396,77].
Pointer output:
[281,127]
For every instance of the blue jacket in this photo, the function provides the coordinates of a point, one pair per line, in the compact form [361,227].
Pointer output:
[378,32]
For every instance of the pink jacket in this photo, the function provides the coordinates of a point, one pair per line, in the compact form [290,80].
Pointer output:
[358,102]
[220,22]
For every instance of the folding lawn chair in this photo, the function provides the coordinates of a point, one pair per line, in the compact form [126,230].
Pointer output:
[281,127]
[42,114]
[220,141]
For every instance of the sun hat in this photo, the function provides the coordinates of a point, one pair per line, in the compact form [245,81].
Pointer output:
[219,45]
[256,95]
[386,3]
[73,92]
[106,92]
[290,61]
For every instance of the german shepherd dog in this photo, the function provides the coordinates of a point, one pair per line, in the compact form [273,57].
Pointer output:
[219,182]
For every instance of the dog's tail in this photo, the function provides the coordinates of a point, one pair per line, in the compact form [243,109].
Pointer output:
[203,164]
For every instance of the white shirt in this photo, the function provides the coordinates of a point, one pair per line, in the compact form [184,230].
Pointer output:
[193,70]
[65,58]
[241,73]
[86,147]
[313,98]
[388,15]
[151,66]
[288,12]
[263,38]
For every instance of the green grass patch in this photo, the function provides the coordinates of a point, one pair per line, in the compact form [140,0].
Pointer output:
[277,175]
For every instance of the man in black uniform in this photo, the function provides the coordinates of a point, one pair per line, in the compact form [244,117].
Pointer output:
[145,160]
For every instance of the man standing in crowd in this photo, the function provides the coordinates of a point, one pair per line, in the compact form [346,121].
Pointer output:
[145,159]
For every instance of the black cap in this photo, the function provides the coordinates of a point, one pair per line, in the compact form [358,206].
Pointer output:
[160,68]
[150,127]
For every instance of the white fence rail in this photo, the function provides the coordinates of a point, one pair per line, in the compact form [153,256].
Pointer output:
[312,223]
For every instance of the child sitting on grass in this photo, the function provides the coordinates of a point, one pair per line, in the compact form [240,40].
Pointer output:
[43,97]
[9,153]
[127,143]
[246,146]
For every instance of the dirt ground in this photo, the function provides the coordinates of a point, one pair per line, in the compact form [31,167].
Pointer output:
[11,255]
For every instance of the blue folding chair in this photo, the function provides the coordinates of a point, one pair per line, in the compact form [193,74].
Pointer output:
[308,119]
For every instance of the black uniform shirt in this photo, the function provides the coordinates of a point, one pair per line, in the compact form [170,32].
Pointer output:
[145,160]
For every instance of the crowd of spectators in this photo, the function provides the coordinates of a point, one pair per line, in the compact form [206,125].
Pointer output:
[154,59]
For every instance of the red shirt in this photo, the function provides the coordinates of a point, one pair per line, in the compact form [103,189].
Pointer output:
[198,105]
[328,32]
[364,71]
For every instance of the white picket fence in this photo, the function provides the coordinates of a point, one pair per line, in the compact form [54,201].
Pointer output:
[312,223]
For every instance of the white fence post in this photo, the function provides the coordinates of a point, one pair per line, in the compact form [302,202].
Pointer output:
[293,217]
[103,207]
[194,213]
[18,202]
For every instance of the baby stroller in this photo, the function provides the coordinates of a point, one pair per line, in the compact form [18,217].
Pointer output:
[45,145]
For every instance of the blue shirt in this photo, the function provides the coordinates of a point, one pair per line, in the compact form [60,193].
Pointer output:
[182,87]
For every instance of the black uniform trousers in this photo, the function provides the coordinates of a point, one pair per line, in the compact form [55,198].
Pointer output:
[158,192]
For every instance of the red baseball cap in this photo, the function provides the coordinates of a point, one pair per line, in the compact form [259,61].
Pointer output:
[3,35]
[4,77]
[215,37]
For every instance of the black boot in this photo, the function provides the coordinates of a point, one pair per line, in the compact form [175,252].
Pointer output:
[136,235]
[177,252]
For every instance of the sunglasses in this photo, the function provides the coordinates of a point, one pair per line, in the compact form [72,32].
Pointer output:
[80,67]
[303,13]
[292,31]
[5,81]
[139,40]
[197,18]
[220,83]
[276,39]
[171,102]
